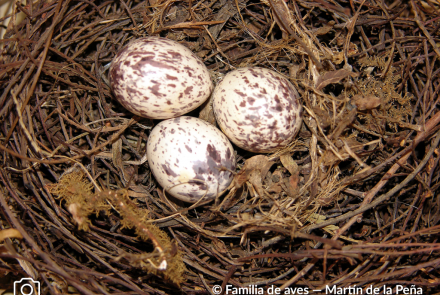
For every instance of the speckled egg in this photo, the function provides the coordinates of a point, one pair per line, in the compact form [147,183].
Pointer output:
[158,78]
[190,158]
[258,109]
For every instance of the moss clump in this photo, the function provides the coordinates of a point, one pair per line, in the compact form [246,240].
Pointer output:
[394,108]
[166,260]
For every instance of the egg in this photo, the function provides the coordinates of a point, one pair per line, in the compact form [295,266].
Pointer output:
[190,158]
[159,78]
[258,109]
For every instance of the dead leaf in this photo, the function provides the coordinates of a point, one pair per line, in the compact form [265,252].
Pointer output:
[275,188]
[117,153]
[3,250]
[366,102]
[283,16]
[291,185]
[28,268]
[259,162]
[265,168]
[255,180]
[256,162]
[228,10]
[342,123]
[220,246]
[207,112]
[333,77]
[117,158]
[296,71]
[289,164]
[329,158]
[322,117]
[254,171]
[324,29]
[202,53]
[25,265]
[10,233]
[294,181]
[240,178]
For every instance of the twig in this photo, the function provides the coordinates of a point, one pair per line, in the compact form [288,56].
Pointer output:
[366,203]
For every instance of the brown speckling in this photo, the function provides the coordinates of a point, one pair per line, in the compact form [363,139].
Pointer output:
[240,93]
[168,170]
[149,61]
[155,90]
[251,100]
[175,55]
[172,78]
[213,153]
[228,154]
[188,90]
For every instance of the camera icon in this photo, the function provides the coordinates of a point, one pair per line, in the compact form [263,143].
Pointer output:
[26,286]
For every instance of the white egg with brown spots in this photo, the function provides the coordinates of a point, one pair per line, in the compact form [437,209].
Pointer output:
[258,109]
[190,158]
[159,78]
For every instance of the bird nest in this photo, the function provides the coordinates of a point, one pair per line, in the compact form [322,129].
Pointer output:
[351,204]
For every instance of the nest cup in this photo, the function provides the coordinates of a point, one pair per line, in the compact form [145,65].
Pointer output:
[353,200]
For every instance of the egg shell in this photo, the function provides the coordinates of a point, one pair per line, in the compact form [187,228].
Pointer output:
[159,78]
[258,109]
[188,157]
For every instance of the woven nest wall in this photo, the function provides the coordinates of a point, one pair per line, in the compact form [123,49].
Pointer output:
[351,201]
